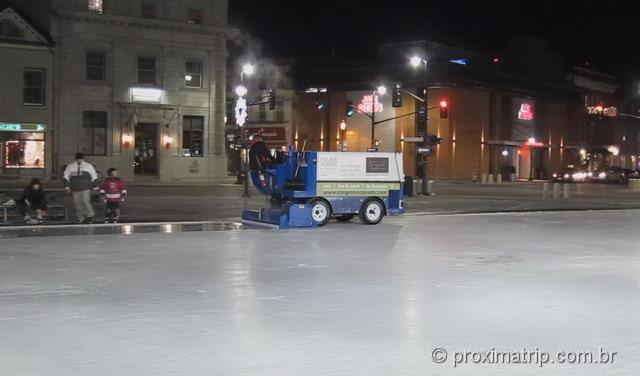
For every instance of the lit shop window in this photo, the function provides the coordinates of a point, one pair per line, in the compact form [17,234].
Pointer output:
[25,150]
[96,6]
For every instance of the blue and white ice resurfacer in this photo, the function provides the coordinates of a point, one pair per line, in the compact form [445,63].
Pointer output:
[307,189]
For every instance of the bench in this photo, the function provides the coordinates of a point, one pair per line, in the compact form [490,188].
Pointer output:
[64,212]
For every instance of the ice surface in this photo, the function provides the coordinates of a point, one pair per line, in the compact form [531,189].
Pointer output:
[346,299]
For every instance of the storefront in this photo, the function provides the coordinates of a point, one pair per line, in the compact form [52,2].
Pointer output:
[23,149]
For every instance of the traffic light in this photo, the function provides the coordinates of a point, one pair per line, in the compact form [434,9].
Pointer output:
[319,104]
[422,114]
[396,100]
[350,110]
[444,109]
[272,100]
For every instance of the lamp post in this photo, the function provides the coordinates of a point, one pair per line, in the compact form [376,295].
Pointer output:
[379,91]
[241,115]
[416,62]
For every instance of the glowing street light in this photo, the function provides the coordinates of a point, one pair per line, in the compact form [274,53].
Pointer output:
[381,90]
[531,141]
[248,69]
[241,90]
[343,125]
[416,61]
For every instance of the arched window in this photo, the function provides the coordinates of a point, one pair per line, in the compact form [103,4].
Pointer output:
[8,29]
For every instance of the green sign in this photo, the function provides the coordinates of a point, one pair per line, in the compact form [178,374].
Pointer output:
[355,189]
[22,127]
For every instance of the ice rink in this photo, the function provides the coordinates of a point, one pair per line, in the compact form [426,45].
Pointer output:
[346,299]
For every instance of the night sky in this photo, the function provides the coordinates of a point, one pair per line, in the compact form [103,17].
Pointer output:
[603,33]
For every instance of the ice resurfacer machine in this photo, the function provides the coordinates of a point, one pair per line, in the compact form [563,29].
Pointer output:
[307,189]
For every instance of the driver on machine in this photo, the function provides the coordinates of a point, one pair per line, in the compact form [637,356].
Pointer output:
[259,158]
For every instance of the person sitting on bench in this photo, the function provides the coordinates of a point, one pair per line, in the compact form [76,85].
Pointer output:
[34,198]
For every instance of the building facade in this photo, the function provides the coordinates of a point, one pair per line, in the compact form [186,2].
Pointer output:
[141,86]
[26,100]
[500,119]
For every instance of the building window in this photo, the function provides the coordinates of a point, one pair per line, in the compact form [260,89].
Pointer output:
[23,150]
[280,111]
[147,70]
[192,136]
[96,6]
[195,16]
[93,136]
[148,9]
[96,66]
[193,76]
[8,29]
[34,87]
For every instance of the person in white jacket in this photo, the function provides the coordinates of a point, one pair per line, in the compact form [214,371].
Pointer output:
[80,178]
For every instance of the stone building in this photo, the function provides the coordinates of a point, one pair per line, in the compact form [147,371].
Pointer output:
[141,86]
[26,100]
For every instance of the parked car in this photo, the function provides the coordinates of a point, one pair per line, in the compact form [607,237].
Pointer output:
[614,175]
[573,175]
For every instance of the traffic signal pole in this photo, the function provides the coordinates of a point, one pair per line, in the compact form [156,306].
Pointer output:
[425,131]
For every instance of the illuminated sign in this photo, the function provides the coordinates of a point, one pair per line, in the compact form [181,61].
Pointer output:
[526,112]
[20,127]
[369,103]
[241,111]
[458,61]
[145,95]
[610,111]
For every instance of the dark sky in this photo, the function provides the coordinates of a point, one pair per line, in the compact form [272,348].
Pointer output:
[606,33]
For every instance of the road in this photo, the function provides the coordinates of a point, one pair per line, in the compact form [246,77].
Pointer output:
[225,202]
[346,299]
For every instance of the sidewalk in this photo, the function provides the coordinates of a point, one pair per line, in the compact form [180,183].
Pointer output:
[225,202]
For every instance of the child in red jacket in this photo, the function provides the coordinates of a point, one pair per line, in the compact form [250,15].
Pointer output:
[113,192]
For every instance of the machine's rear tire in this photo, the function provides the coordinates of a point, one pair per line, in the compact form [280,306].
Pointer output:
[371,212]
[345,217]
[320,211]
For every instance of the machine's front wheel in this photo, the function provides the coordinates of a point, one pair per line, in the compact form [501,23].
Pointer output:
[320,211]
[371,212]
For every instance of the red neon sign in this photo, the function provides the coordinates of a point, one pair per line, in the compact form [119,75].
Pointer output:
[525,112]
[368,103]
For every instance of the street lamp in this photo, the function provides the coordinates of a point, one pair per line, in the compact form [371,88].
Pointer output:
[416,62]
[247,70]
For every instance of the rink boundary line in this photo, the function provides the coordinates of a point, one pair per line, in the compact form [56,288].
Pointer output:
[121,224]
[511,212]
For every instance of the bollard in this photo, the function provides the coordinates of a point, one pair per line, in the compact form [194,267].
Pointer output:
[513,178]
[431,188]
[474,177]
[490,179]
[545,190]
[565,193]
[484,178]
[499,179]
[556,190]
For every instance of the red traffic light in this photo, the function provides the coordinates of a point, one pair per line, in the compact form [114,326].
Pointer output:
[444,109]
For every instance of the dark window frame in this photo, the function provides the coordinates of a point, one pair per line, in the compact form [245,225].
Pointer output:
[151,12]
[92,67]
[30,89]
[193,74]
[191,134]
[142,70]
[94,120]
[195,16]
